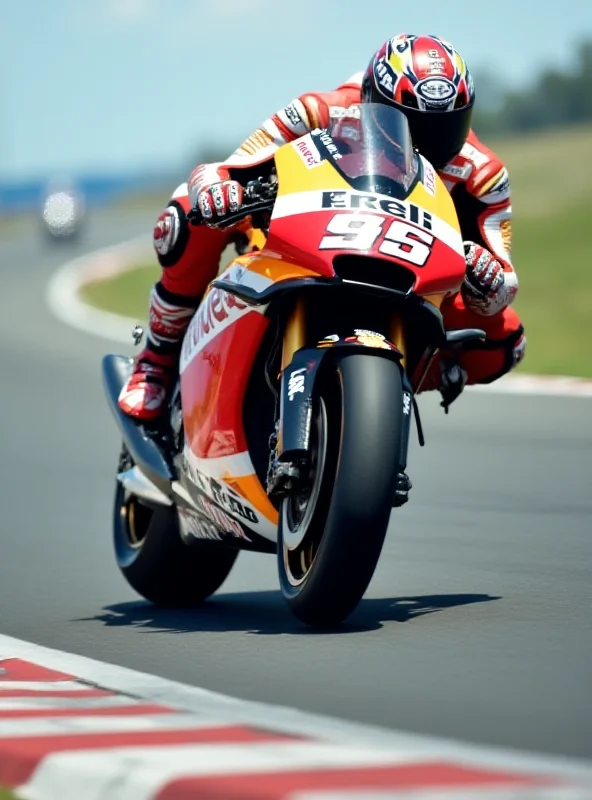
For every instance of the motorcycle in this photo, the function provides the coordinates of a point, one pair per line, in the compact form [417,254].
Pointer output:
[287,431]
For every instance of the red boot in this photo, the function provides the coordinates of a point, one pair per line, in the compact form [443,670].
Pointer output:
[144,395]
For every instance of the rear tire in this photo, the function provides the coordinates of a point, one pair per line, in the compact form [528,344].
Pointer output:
[154,560]
[329,546]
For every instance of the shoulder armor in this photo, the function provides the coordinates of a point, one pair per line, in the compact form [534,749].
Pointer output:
[488,175]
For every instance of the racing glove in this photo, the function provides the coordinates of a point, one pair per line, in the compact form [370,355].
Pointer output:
[483,289]
[213,193]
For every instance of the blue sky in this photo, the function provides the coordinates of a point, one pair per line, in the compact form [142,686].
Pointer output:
[112,84]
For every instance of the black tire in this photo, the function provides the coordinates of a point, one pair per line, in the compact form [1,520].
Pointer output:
[157,564]
[358,416]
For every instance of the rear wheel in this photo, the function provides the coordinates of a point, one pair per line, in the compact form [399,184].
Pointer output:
[153,558]
[332,528]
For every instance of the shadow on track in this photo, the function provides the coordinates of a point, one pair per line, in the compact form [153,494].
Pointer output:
[265,613]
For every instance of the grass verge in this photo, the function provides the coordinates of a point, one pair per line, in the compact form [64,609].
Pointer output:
[125,294]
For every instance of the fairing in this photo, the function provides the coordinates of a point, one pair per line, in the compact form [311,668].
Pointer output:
[320,212]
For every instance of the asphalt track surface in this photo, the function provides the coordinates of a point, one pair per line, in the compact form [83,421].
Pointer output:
[477,624]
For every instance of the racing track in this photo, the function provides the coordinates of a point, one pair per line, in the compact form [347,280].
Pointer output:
[476,626]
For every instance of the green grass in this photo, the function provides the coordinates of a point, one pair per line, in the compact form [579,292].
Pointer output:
[552,253]
[125,294]
[552,256]
[547,168]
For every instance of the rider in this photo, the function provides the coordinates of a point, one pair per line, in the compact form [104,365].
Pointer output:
[430,83]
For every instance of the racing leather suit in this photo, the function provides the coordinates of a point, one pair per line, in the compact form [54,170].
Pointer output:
[190,255]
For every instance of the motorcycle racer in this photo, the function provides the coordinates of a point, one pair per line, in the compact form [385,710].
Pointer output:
[426,79]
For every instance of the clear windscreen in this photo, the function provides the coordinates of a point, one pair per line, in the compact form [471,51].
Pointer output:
[372,148]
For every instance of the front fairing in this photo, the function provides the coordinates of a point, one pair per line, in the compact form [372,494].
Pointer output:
[323,210]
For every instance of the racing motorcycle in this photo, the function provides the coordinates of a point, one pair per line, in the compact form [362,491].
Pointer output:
[287,431]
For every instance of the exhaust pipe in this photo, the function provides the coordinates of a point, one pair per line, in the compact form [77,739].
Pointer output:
[144,451]
[138,484]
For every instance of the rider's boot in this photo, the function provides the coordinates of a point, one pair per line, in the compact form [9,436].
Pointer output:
[453,379]
[145,392]
[446,376]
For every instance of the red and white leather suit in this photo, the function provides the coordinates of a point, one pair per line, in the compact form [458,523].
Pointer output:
[190,255]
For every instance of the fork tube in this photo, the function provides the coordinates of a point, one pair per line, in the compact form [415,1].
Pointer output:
[397,336]
[295,333]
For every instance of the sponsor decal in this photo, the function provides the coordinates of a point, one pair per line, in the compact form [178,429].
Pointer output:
[437,62]
[457,171]
[214,311]
[357,206]
[340,112]
[506,229]
[218,197]
[370,339]
[296,383]
[234,198]
[328,341]
[308,152]
[293,115]
[429,178]
[195,525]
[222,520]
[230,500]
[205,205]
[222,495]
[385,76]
[327,142]
[367,202]
[406,403]
[436,92]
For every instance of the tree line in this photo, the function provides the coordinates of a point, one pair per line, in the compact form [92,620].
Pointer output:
[556,98]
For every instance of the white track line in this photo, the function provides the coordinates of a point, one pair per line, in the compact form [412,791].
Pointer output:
[214,707]
[63,298]
[135,772]
[63,290]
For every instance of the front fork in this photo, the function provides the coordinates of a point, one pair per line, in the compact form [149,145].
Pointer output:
[290,442]
[397,337]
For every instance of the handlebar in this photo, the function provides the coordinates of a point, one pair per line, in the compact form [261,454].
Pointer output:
[259,196]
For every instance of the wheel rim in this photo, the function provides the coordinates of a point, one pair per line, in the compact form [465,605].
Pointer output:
[298,545]
[134,527]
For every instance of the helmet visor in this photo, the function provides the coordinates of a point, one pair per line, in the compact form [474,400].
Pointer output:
[439,135]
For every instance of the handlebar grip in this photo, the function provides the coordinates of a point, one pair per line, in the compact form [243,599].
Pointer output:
[245,211]
[195,216]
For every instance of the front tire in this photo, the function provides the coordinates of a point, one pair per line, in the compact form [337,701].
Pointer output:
[154,560]
[331,534]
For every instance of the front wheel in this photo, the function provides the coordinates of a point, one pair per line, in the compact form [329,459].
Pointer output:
[332,528]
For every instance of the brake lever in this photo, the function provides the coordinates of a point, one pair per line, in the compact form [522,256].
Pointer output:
[245,211]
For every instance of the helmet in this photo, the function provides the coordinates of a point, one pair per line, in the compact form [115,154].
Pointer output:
[426,79]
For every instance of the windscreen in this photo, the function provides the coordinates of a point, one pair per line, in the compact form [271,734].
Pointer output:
[371,147]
